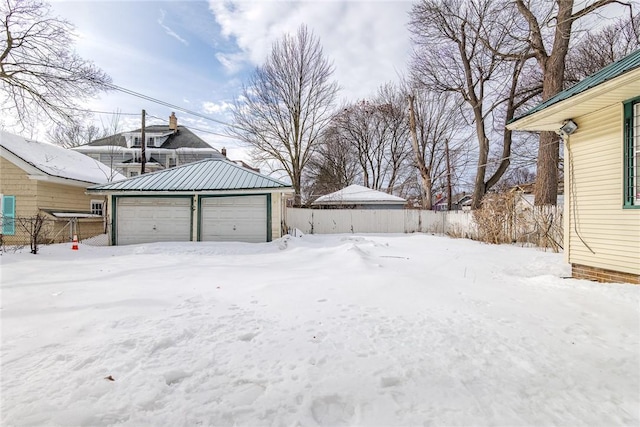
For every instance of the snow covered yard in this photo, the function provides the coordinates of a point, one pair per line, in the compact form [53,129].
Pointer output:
[318,330]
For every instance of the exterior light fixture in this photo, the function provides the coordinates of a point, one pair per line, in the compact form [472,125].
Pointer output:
[568,127]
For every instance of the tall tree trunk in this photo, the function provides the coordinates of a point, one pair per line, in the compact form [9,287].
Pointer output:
[297,187]
[425,176]
[479,187]
[553,67]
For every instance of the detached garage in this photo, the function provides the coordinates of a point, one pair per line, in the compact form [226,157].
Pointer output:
[210,200]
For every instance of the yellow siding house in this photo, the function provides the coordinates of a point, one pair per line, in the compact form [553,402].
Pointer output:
[38,178]
[599,121]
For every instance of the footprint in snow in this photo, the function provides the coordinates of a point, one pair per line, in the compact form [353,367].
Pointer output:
[248,336]
[332,410]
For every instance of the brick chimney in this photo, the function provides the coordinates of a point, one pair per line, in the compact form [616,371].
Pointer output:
[224,151]
[173,122]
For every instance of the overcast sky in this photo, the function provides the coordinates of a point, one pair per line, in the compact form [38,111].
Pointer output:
[196,54]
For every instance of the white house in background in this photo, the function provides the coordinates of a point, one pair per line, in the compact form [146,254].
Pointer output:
[165,147]
[359,197]
[39,178]
[460,201]
[599,119]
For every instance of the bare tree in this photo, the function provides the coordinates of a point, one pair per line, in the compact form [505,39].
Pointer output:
[547,38]
[286,105]
[451,55]
[435,123]
[111,129]
[377,131]
[39,71]
[598,48]
[69,135]
[516,176]
[393,131]
[33,226]
[333,165]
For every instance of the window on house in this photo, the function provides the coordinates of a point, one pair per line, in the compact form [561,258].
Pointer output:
[7,215]
[172,162]
[150,142]
[132,173]
[97,207]
[632,153]
[136,141]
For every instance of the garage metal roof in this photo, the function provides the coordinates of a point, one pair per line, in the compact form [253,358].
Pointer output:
[205,175]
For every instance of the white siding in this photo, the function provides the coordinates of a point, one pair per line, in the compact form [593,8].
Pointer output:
[599,232]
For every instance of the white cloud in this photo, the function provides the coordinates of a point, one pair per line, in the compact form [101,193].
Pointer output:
[216,107]
[168,30]
[232,62]
[368,41]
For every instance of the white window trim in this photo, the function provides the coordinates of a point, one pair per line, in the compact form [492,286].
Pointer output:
[94,210]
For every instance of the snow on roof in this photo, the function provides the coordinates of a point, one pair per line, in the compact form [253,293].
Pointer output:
[357,194]
[57,161]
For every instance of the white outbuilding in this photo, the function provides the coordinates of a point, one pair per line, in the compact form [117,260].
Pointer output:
[359,197]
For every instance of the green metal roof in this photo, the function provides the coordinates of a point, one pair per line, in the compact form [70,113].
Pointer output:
[205,175]
[611,71]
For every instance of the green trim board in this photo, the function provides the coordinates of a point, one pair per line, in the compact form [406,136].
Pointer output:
[113,220]
[114,210]
[611,71]
[269,219]
[631,179]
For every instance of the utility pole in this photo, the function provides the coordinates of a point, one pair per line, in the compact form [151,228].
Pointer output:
[143,151]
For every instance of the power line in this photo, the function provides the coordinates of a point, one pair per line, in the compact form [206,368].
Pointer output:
[113,113]
[168,104]
[200,115]
[193,128]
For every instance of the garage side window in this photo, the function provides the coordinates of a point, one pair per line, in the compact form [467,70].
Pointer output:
[97,207]
[8,215]
[632,153]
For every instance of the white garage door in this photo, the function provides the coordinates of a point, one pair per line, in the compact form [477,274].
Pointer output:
[235,219]
[153,219]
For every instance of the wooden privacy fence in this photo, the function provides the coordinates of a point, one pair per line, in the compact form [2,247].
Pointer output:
[330,221]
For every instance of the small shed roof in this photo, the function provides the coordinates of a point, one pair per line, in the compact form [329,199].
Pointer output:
[358,195]
[55,161]
[205,175]
[615,83]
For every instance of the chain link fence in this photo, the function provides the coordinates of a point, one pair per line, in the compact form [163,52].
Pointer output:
[38,230]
